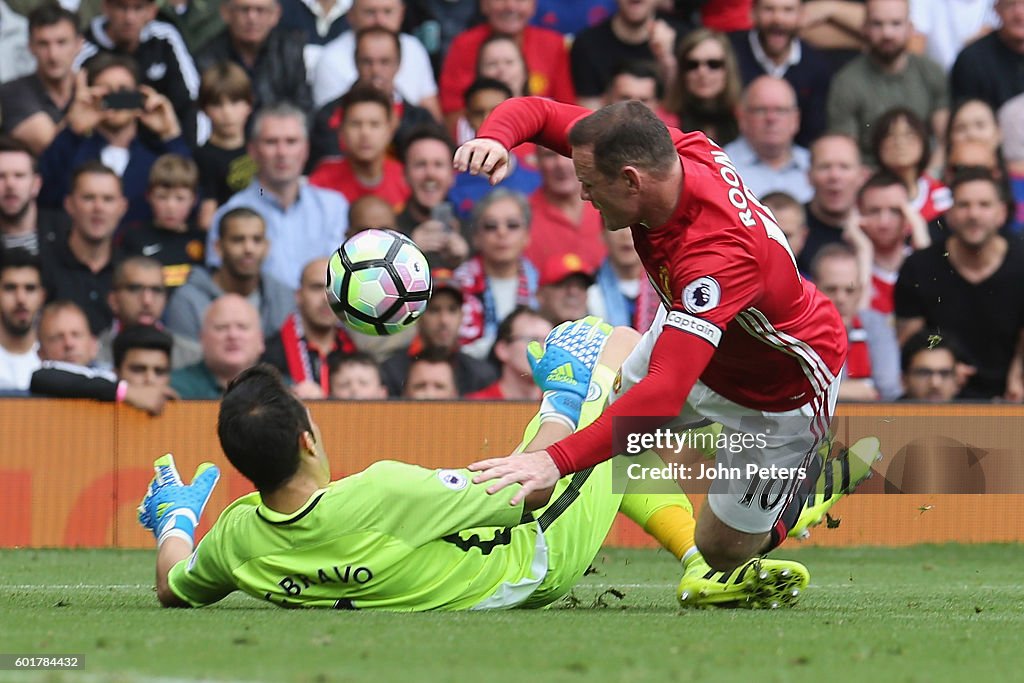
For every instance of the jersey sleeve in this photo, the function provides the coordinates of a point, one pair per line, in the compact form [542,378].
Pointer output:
[202,578]
[711,288]
[533,119]
[419,505]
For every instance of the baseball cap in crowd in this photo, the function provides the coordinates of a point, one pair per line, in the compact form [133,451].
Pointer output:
[444,279]
[562,266]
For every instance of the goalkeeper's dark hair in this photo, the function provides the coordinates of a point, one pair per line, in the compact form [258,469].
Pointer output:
[259,427]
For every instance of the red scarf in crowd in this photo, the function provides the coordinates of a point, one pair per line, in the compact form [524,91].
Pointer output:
[297,353]
[858,362]
[478,309]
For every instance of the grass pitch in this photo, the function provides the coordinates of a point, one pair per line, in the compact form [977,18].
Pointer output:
[929,613]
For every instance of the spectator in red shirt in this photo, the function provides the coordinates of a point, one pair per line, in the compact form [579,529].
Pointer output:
[545,53]
[562,221]
[522,326]
[888,220]
[366,128]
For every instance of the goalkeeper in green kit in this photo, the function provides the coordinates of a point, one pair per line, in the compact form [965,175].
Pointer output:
[401,537]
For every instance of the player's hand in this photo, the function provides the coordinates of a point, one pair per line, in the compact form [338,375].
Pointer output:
[535,471]
[483,156]
[171,509]
[563,367]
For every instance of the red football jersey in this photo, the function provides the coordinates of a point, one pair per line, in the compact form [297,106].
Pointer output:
[725,272]
[338,175]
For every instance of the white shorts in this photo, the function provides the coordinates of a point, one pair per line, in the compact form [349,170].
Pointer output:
[787,440]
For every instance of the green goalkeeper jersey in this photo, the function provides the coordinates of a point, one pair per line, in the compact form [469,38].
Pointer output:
[395,536]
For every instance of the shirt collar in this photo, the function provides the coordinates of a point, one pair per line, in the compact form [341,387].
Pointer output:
[770,67]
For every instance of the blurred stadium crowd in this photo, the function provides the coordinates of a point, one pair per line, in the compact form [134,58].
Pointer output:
[174,173]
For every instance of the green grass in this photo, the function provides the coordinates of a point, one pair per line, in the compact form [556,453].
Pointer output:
[930,613]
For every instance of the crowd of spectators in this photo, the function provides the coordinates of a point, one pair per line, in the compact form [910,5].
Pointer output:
[175,173]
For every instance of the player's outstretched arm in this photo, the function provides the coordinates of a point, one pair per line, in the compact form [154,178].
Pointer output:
[171,510]
[581,346]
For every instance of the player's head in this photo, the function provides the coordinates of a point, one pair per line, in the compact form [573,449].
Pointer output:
[242,243]
[356,376]
[619,151]
[836,273]
[267,434]
[928,360]
[137,293]
[366,123]
[790,216]
[881,202]
[142,356]
[431,376]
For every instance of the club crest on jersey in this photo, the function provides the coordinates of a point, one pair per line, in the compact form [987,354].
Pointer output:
[664,283]
[452,479]
[701,295]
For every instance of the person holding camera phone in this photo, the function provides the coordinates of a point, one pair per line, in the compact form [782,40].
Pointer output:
[114,120]
[429,218]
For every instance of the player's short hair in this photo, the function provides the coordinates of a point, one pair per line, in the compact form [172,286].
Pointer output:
[239,212]
[639,68]
[51,14]
[20,258]
[93,167]
[973,174]
[879,179]
[173,171]
[259,426]
[9,145]
[780,201]
[365,93]
[145,337]
[836,250]
[884,124]
[371,31]
[481,84]
[279,110]
[626,134]
[224,81]
[337,361]
[929,340]
[109,60]
[423,131]
[496,195]
[135,261]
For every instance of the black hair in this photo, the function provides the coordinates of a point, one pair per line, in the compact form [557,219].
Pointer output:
[141,337]
[482,84]
[259,427]
[20,258]
[929,340]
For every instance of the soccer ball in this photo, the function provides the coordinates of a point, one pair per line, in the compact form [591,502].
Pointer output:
[378,282]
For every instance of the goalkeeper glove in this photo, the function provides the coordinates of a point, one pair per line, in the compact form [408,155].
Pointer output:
[563,367]
[172,509]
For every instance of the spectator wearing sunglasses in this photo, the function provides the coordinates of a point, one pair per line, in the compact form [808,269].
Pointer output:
[499,277]
[706,90]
